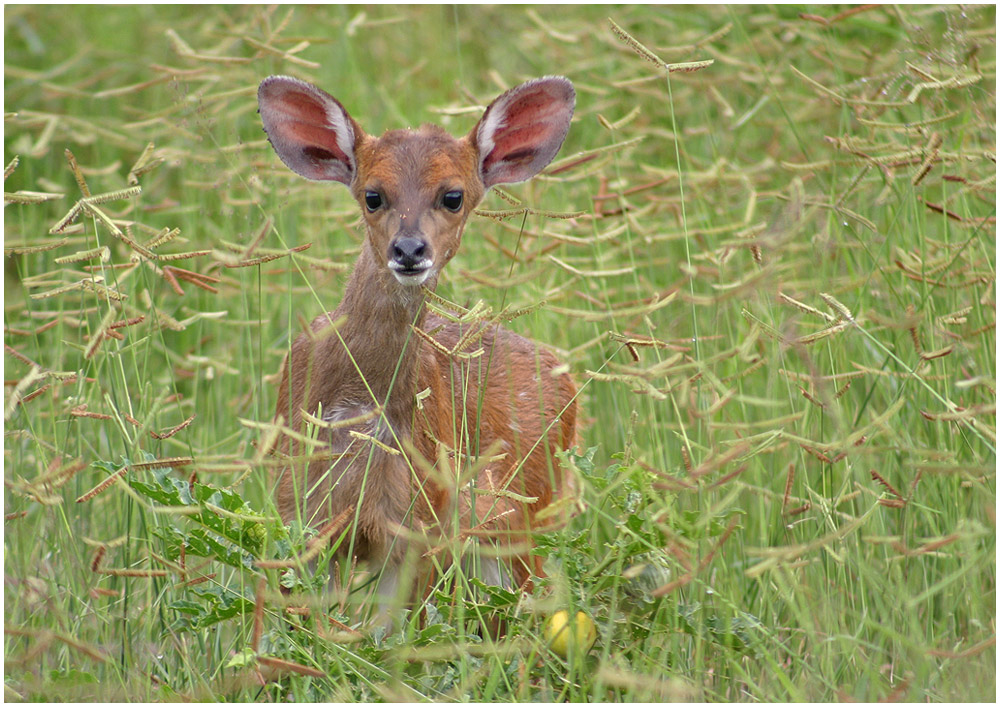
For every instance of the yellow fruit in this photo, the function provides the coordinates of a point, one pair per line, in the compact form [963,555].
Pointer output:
[560,634]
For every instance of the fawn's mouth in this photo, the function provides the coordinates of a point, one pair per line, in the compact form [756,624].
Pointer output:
[412,276]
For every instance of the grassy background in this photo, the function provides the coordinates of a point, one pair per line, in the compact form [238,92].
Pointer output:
[777,294]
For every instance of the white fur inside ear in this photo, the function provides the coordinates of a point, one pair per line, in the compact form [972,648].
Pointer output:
[492,123]
[341,126]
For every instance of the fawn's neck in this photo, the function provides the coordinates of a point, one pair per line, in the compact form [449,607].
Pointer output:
[378,331]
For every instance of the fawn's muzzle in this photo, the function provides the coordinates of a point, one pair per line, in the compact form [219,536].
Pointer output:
[409,259]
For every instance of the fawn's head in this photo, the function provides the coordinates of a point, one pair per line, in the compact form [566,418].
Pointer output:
[416,188]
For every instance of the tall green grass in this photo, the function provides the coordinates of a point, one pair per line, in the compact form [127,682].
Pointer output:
[777,295]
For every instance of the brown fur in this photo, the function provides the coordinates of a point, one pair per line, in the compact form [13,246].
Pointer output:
[505,401]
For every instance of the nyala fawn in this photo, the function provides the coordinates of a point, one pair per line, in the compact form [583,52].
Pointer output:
[424,437]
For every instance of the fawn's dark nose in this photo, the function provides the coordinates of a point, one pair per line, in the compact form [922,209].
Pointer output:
[408,254]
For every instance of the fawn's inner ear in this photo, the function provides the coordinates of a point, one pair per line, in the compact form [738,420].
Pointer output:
[319,154]
[309,129]
[522,130]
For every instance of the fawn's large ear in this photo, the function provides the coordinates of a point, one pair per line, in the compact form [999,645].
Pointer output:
[522,130]
[309,129]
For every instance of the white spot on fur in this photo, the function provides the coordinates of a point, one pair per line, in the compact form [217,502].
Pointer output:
[373,425]
[413,280]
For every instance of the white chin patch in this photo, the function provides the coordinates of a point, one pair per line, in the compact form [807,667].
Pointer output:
[412,280]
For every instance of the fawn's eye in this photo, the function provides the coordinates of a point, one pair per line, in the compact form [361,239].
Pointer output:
[373,200]
[452,201]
